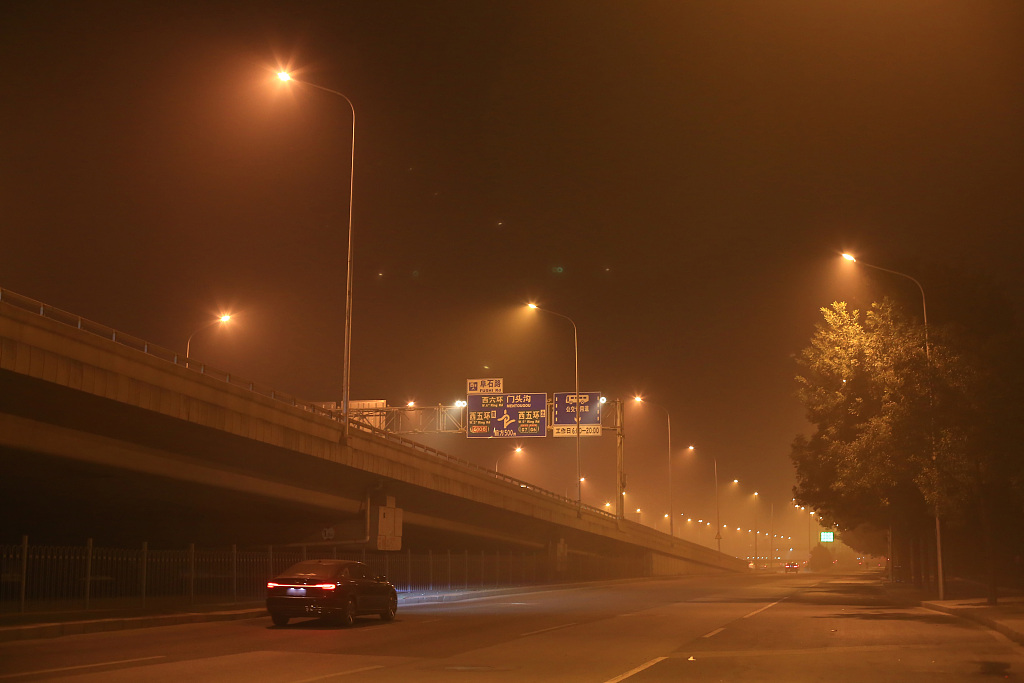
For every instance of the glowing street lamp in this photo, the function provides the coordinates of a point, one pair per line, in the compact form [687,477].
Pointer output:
[668,418]
[576,354]
[346,378]
[188,344]
[928,360]
[517,450]
[718,507]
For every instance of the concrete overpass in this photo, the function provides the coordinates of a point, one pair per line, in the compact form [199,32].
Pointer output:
[96,425]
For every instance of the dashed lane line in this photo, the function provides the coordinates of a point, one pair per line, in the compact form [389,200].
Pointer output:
[637,670]
[545,630]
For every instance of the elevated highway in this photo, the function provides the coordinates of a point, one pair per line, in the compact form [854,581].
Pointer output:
[97,426]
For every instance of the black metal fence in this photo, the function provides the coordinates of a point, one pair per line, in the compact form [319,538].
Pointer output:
[70,578]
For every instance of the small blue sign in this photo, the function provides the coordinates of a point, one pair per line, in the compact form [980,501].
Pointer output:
[489,385]
[564,420]
[506,415]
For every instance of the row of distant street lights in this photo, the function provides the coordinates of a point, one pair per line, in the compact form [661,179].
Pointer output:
[285,77]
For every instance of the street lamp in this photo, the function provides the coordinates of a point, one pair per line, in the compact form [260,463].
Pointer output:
[668,418]
[284,76]
[718,508]
[518,449]
[928,360]
[576,355]
[188,344]
[809,518]
[755,530]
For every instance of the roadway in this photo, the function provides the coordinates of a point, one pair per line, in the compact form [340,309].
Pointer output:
[771,627]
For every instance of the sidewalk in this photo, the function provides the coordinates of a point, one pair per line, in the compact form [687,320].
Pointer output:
[968,601]
[1007,617]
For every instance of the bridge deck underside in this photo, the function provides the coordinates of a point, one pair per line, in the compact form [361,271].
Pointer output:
[71,495]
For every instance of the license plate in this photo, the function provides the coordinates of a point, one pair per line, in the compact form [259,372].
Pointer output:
[297,592]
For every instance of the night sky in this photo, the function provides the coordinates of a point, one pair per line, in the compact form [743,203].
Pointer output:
[676,177]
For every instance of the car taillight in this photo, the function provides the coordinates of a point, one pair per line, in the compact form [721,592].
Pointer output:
[327,586]
[271,584]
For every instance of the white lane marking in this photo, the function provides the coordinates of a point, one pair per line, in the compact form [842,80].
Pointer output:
[713,633]
[545,630]
[341,673]
[636,670]
[726,654]
[81,666]
[758,611]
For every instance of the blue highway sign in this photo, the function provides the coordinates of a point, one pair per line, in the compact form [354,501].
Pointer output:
[507,415]
[564,421]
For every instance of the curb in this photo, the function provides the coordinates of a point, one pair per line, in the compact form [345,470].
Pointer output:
[971,615]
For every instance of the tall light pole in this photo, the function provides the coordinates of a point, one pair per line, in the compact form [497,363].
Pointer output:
[668,418]
[346,378]
[576,355]
[718,507]
[755,530]
[810,518]
[188,344]
[928,359]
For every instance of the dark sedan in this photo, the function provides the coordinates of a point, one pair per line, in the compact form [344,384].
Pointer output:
[339,590]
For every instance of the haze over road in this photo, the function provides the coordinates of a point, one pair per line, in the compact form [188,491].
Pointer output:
[769,627]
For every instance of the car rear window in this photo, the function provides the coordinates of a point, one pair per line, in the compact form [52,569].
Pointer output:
[312,570]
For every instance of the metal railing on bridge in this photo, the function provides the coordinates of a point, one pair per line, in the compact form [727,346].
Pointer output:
[53,313]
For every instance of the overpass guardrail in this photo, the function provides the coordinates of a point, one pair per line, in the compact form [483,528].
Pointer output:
[179,359]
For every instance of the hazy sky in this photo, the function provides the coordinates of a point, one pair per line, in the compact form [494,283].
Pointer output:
[677,177]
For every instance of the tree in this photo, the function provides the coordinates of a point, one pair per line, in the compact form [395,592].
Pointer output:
[905,430]
[865,388]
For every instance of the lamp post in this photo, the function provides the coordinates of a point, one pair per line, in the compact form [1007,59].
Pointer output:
[928,359]
[518,449]
[810,517]
[188,344]
[347,353]
[668,418]
[576,356]
[755,531]
[718,507]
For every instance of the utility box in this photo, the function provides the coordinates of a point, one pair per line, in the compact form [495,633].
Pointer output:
[386,525]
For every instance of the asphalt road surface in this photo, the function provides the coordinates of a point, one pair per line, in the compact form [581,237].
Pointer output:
[777,627]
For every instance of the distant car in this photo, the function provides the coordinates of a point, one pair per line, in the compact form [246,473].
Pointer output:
[339,590]
[792,567]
